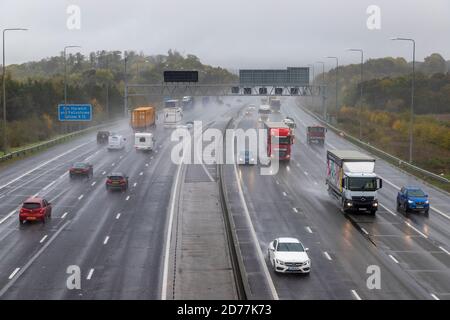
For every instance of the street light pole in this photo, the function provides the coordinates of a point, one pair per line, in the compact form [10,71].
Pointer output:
[125,104]
[312,82]
[337,67]
[361,89]
[65,77]
[5,139]
[411,116]
[323,88]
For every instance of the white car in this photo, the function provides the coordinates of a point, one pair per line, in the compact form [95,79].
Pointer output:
[116,142]
[289,255]
[246,157]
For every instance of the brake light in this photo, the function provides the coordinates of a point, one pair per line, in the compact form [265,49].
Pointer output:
[108,180]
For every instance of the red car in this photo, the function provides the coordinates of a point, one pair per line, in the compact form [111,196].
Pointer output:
[117,180]
[81,169]
[35,208]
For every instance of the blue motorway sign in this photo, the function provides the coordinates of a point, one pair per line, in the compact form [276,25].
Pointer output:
[75,112]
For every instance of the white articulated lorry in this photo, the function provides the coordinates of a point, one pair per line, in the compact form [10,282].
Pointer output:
[352,179]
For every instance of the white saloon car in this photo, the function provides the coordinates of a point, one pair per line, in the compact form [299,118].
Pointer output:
[289,255]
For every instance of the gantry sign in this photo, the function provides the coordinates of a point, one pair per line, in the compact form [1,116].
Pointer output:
[266,82]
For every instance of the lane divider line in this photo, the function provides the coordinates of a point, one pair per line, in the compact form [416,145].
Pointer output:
[443,249]
[295,210]
[356,295]
[8,216]
[91,272]
[43,239]
[435,297]
[118,216]
[13,273]
[393,258]
[106,240]
[309,229]
[81,197]
[64,215]
[387,209]
[415,229]
[327,255]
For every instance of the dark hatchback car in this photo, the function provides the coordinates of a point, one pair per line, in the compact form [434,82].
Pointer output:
[117,181]
[102,137]
[35,209]
[81,169]
[412,199]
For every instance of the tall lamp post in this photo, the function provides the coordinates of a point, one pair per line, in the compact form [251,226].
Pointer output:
[337,67]
[65,77]
[361,90]
[125,104]
[312,82]
[411,116]
[323,88]
[5,139]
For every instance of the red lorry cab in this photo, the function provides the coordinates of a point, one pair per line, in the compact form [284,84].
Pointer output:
[279,140]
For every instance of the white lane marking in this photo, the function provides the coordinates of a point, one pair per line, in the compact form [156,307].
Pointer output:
[356,295]
[330,145]
[443,249]
[30,262]
[146,164]
[277,182]
[141,173]
[393,258]
[41,165]
[113,164]
[120,157]
[365,231]
[81,197]
[93,183]
[308,229]
[169,233]
[295,210]
[156,151]
[316,183]
[43,239]
[127,198]
[135,184]
[305,172]
[89,276]
[284,194]
[388,210]
[49,185]
[118,216]
[151,158]
[298,165]
[8,216]
[415,229]
[255,237]
[13,273]
[103,172]
[435,297]
[288,168]
[106,240]
[440,212]
[390,183]
[327,255]
[64,215]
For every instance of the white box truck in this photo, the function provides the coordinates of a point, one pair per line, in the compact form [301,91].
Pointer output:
[352,179]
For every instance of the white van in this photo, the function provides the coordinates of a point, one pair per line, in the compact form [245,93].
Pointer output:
[172,117]
[116,142]
[144,141]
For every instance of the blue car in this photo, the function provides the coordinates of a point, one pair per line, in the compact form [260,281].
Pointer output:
[412,199]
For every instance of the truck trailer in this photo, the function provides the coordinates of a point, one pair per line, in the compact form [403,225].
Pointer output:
[351,178]
[143,118]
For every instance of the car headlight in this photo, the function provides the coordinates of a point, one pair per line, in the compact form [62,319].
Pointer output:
[280,262]
[252,159]
[349,204]
[240,159]
[427,202]
[410,201]
[375,204]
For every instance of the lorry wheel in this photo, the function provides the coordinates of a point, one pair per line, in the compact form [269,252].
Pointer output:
[427,212]
[373,212]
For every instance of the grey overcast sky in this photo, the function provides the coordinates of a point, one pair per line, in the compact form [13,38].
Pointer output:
[230,33]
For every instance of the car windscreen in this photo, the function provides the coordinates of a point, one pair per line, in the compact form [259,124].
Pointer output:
[115,177]
[79,165]
[416,193]
[362,184]
[290,246]
[31,205]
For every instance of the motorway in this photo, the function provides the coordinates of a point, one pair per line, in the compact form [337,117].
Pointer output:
[115,238]
[118,240]
[411,252]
